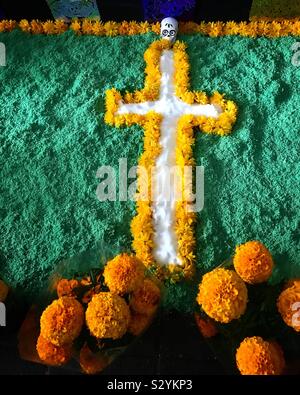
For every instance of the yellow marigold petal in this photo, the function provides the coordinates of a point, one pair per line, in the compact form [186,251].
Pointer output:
[253,262]
[288,305]
[139,323]
[92,363]
[62,320]
[222,295]
[4,289]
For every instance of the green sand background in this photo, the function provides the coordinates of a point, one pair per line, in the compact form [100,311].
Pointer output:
[53,140]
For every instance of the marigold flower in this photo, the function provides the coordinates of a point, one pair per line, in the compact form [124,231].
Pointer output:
[49,27]
[292,282]
[288,305]
[60,26]
[51,354]
[253,262]
[222,295]
[3,291]
[28,335]
[139,323]
[107,316]
[66,287]
[256,356]
[145,299]
[61,322]
[76,26]
[92,363]
[123,274]
[87,297]
[206,327]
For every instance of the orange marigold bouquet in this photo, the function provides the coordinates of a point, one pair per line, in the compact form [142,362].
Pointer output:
[93,315]
[246,317]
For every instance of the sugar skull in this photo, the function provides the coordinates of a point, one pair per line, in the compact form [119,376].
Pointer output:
[169,29]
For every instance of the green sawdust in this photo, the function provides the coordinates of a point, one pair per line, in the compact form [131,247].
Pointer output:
[53,139]
[275,8]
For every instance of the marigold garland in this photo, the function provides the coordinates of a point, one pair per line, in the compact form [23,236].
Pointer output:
[222,295]
[288,306]
[256,356]
[51,354]
[253,262]
[62,320]
[262,27]
[107,316]
[124,274]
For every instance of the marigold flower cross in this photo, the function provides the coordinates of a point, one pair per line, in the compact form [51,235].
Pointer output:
[163,227]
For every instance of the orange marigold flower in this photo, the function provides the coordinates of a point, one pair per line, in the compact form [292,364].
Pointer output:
[256,356]
[7,25]
[28,335]
[51,354]
[222,295]
[62,321]
[124,274]
[3,291]
[49,27]
[206,327]
[92,363]
[66,287]
[145,299]
[253,262]
[36,27]
[139,323]
[60,26]
[288,305]
[25,26]
[107,316]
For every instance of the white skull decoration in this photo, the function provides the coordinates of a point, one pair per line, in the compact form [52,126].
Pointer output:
[169,29]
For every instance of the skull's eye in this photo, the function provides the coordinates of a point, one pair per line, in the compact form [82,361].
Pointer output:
[165,32]
[172,33]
